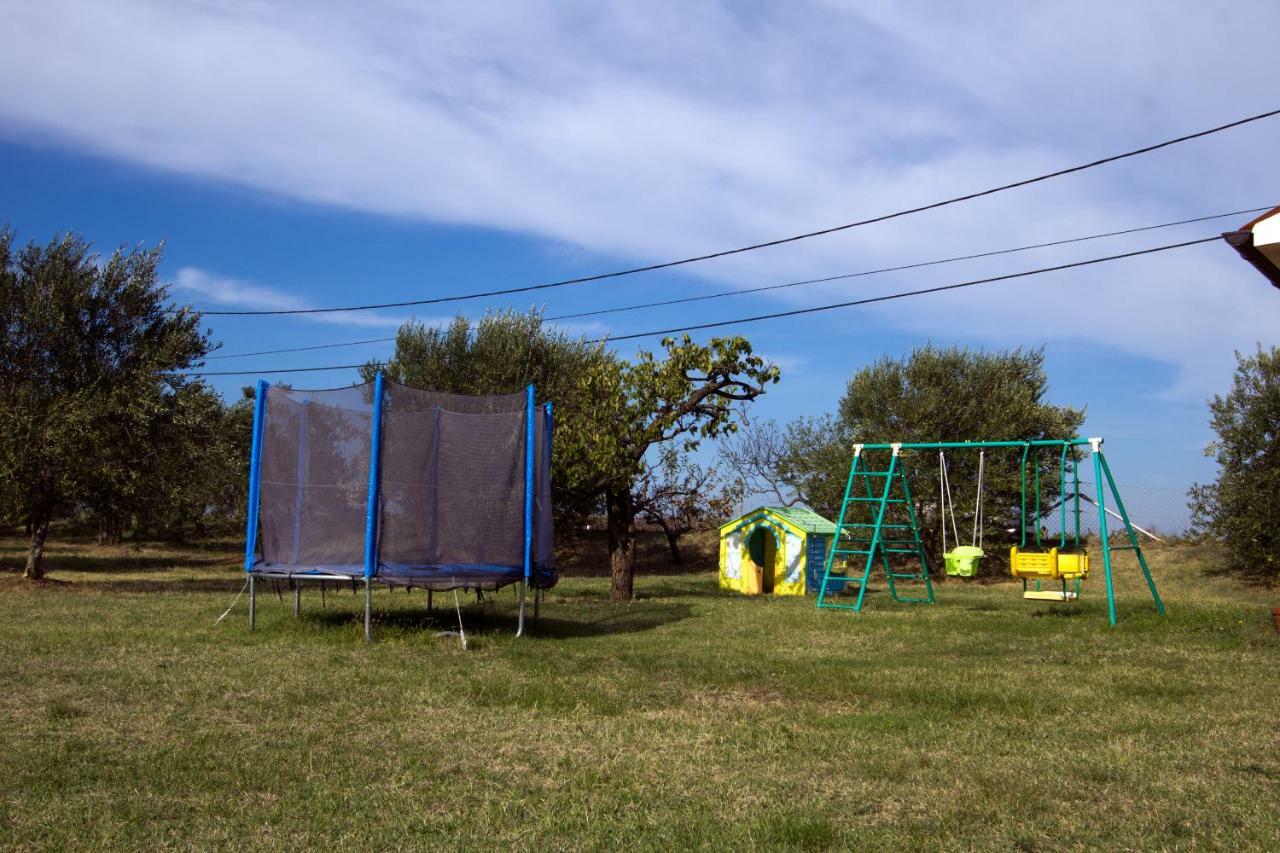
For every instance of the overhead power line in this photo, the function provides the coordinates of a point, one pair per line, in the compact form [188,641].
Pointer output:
[1146,149]
[921,292]
[744,291]
[781,314]
[723,293]
[303,349]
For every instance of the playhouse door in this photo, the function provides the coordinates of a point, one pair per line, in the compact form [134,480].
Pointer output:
[769,564]
[763,551]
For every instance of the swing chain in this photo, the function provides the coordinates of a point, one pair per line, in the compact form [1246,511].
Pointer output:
[946,501]
[947,504]
[977,513]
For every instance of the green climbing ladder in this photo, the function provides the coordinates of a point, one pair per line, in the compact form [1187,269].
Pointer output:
[885,525]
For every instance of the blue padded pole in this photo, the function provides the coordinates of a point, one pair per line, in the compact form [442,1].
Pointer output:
[255,473]
[251,521]
[528,483]
[528,503]
[371,507]
[375,478]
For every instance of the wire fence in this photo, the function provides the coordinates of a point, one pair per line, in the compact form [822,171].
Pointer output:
[1159,510]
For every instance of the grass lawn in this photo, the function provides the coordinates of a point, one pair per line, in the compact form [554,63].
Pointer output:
[689,718]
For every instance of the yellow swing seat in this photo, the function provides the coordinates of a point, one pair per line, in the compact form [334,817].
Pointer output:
[1035,565]
[1048,565]
[1038,565]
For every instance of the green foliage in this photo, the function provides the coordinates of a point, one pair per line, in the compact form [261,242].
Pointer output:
[685,397]
[503,353]
[1239,508]
[196,486]
[87,379]
[937,394]
[609,412]
[679,400]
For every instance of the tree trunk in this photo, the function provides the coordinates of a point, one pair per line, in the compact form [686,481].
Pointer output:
[110,529]
[620,512]
[35,556]
[673,542]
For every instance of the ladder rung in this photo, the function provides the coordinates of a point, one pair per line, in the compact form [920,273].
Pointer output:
[901,576]
[849,551]
[900,550]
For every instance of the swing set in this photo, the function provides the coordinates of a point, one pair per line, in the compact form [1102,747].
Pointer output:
[878,523]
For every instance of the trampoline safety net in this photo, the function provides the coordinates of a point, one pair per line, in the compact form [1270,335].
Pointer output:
[450,487]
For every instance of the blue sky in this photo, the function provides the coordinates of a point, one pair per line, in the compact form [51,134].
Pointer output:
[312,154]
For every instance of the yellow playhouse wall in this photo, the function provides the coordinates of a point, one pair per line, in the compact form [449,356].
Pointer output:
[731,541]
[785,535]
[794,545]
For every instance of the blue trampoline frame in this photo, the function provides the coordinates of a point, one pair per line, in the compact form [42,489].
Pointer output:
[370,565]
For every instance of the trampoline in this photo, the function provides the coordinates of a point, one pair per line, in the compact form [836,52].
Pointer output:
[384,483]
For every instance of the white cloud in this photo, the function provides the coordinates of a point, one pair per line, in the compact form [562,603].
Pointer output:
[656,130]
[220,291]
[590,329]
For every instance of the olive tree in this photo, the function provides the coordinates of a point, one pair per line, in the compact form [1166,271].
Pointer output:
[609,412]
[1239,507]
[89,363]
[931,394]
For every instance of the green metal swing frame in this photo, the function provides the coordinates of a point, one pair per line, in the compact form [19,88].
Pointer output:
[878,540]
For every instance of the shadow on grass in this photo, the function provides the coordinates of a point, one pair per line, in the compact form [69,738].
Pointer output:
[230,585]
[14,582]
[140,563]
[480,620]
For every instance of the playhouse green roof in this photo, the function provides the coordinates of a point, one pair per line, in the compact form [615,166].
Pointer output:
[801,517]
[805,518]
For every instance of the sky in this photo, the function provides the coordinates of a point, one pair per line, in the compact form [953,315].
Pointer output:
[310,154]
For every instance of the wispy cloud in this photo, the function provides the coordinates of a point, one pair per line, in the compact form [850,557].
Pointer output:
[654,131]
[583,328]
[215,290]
[788,363]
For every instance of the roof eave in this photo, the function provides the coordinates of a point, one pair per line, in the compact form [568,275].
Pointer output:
[1242,242]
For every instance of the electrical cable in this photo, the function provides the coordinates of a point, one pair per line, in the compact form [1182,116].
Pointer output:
[921,292]
[1146,149]
[724,293]
[792,313]
[738,292]
[303,349]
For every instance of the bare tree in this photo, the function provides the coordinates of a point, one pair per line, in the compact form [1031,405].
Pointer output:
[759,456]
[679,496]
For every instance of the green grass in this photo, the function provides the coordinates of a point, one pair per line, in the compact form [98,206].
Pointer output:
[689,718]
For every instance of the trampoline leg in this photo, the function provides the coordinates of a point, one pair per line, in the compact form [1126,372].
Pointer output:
[537,602]
[368,611]
[297,599]
[429,594]
[520,621]
[253,601]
